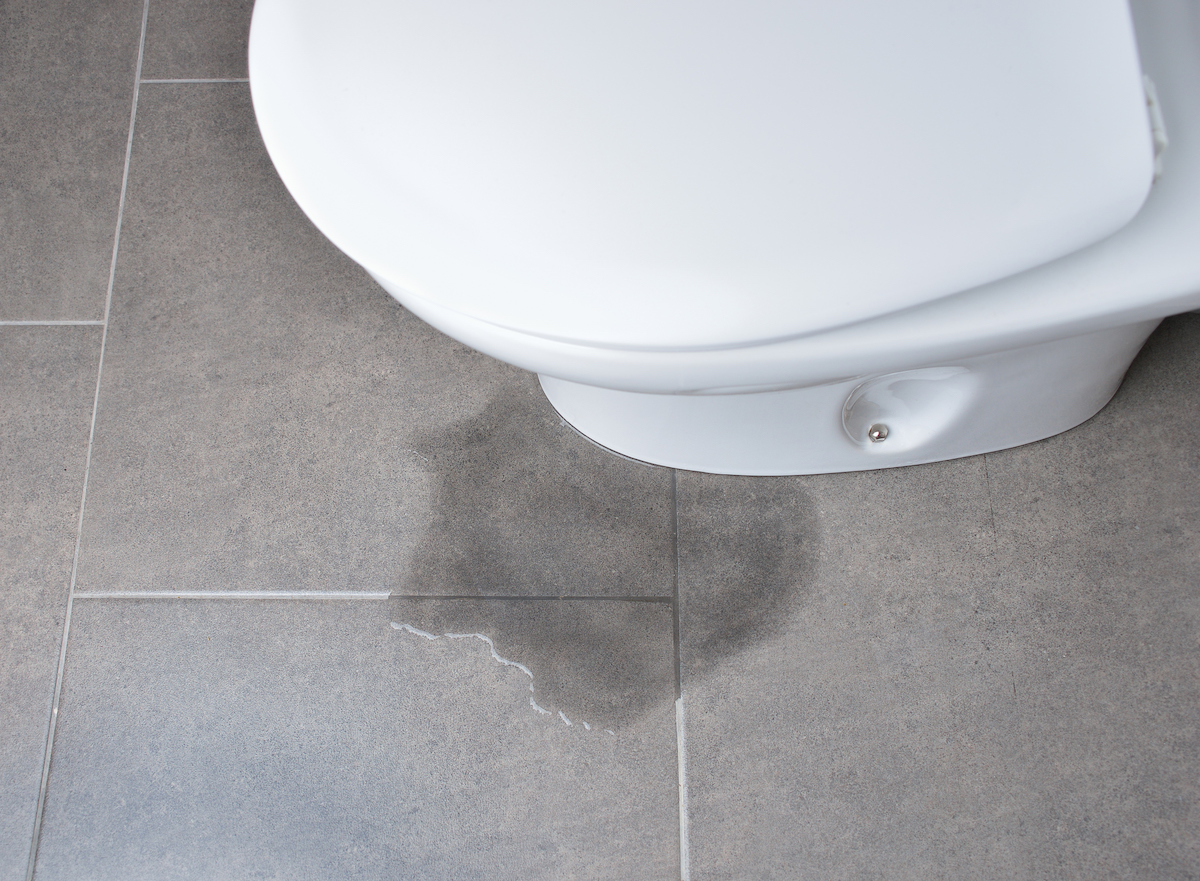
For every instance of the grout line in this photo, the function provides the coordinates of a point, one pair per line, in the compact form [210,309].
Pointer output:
[685,857]
[87,467]
[232,595]
[212,80]
[567,597]
[685,860]
[675,581]
[112,268]
[52,323]
[332,595]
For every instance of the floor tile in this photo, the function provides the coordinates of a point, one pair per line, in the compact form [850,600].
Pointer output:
[197,39]
[1119,495]
[1098,534]
[839,677]
[754,552]
[971,669]
[271,419]
[68,68]
[47,383]
[281,739]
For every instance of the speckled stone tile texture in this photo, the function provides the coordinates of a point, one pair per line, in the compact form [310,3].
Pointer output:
[68,69]
[197,39]
[982,668]
[47,382]
[284,739]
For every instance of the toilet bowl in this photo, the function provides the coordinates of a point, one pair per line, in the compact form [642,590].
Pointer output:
[770,239]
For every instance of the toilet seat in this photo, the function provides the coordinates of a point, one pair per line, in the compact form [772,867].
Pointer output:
[1149,269]
[1000,364]
[482,159]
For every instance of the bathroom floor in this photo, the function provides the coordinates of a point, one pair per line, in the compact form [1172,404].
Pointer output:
[293,586]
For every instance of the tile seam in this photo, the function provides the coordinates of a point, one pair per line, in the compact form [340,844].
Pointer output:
[195,80]
[342,594]
[63,323]
[675,582]
[685,867]
[230,594]
[535,598]
[47,755]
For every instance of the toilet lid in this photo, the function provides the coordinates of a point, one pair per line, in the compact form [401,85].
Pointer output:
[669,174]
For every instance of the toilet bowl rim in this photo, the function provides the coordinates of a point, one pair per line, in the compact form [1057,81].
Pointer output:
[897,342]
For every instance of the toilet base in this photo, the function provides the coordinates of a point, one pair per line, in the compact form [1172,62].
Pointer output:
[927,414]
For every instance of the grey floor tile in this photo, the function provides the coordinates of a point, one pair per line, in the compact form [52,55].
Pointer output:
[271,419]
[197,39]
[68,68]
[47,382]
[278,739]
[840,677]
[932,698]
[522,504]
[1098,533]
[1119,496]
[757,552]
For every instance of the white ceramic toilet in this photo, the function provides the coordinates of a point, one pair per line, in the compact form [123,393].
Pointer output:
[761,238]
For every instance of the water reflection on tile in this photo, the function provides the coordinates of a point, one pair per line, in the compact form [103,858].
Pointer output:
[314,740]
[609,663]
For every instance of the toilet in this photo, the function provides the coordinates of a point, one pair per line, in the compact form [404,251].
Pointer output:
[769,238]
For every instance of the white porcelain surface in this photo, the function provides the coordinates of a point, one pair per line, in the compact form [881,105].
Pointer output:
[669,175]
[976,405]
[1151,268]
[797,401]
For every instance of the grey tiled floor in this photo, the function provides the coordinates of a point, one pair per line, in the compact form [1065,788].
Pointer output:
[982,668]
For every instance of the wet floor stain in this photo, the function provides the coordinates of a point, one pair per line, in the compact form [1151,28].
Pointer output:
[749,550]
[606,664]
[524,506]
[564,556]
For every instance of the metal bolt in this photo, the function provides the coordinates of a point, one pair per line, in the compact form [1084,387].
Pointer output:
[877,433]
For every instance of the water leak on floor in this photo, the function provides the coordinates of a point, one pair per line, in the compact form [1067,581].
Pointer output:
[564,557]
